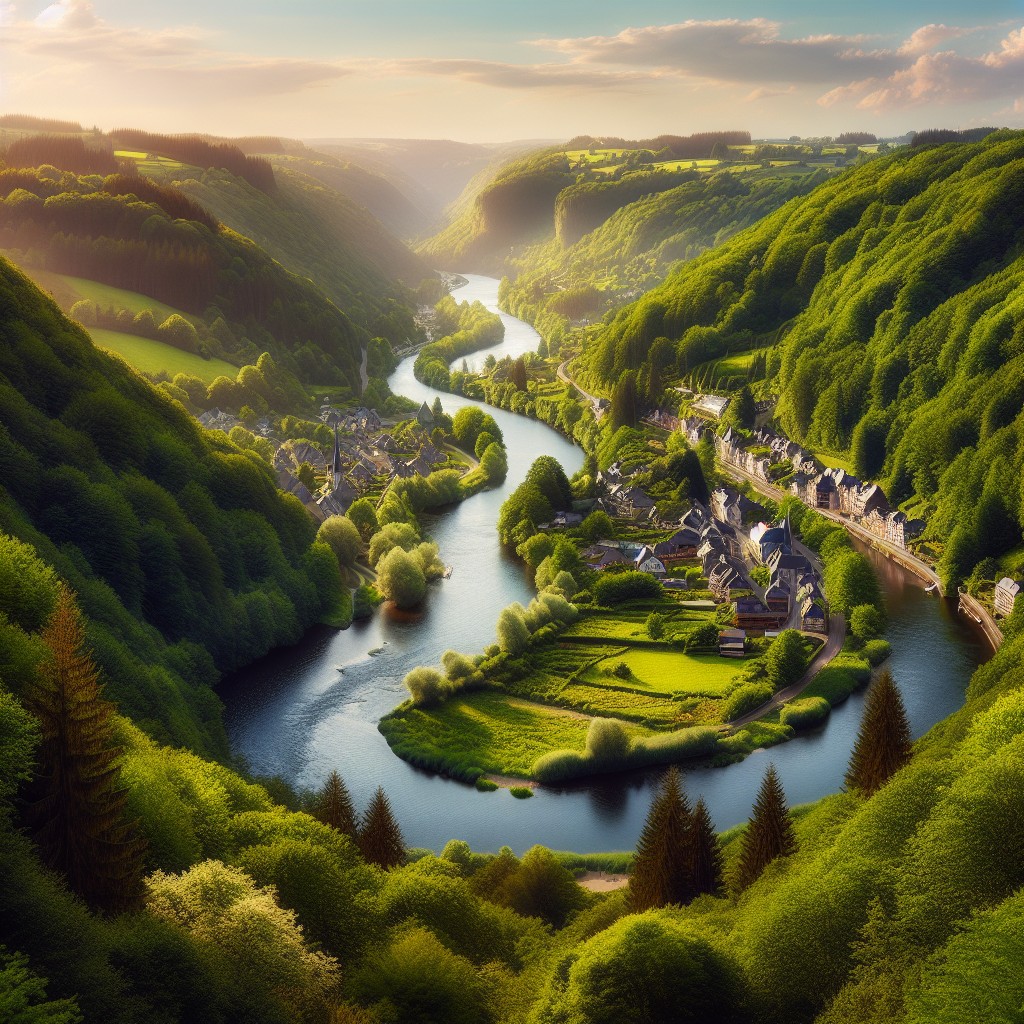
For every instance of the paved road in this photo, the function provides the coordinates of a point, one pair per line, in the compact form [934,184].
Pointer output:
[564,375]
[833,645]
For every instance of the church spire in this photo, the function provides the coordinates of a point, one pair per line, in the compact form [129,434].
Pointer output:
[336,460]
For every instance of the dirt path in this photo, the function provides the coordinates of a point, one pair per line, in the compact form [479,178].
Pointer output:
[601,881]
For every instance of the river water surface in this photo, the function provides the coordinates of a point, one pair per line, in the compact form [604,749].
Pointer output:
[306,710]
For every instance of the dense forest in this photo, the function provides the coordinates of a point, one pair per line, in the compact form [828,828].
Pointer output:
[892,295]
[186,559]
[636,243]
[152,239]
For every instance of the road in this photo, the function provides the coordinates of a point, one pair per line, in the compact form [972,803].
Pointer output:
[977,611]
[563,375]
[833,645]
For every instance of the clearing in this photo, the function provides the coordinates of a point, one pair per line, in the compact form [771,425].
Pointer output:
[156,357]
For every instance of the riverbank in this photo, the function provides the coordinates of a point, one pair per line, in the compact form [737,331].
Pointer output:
[295,715]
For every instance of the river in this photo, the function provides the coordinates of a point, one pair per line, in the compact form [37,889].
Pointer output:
[305,710]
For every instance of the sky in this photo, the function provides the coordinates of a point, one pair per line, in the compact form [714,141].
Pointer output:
[490,71]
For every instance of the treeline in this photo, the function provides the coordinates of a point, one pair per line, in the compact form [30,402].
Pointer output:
[917,370]
[465,328]
[690,147]
[38,124]
[69,153]
[940,136]
[152,240]
[194,149]
[185,557]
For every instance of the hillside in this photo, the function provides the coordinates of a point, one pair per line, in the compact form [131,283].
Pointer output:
[569,191]
[185,557]
[631,250]
[894,295]
[134,234]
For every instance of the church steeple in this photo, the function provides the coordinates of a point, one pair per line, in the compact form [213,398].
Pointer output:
[336,460]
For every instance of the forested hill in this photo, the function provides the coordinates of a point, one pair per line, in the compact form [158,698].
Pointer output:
[134,234]
[558,282]
[185,557]
[894,294]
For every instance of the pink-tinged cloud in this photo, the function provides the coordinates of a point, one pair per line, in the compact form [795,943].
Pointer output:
[513,76]
[927,37]
[942,78]
[731,50]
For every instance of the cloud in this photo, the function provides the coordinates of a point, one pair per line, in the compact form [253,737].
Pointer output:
[927,37]
[511,76]
[764,93]
[942,78]
[731,50]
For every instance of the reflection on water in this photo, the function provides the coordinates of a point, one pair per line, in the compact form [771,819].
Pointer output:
[304,711]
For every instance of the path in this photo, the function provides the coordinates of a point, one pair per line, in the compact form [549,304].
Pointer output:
[564,375]
[977,611]
[833,645]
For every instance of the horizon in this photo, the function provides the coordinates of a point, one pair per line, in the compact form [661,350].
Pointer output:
[453,71]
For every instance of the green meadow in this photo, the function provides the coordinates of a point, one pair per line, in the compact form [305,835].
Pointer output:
[155,357]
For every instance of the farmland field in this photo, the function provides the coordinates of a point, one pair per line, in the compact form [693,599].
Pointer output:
[156,357]
[667,672]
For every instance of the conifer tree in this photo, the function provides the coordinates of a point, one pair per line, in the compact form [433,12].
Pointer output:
[75,805]
[663,867]
[334,806]
[769,834]
[380,838]
[707,853]
[883,744]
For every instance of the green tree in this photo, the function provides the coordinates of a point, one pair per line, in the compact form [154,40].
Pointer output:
[400,578]
[883,744]
[624,406]
[664,862]
[655,625]
[785,660]
[547,475]
[23,996]
[741,411]
[513,633]
[75,806]
[380,838]
[363,513]
[333,806]
[342,536]
[707,853]
[768,835]
[597,526]
[866,622]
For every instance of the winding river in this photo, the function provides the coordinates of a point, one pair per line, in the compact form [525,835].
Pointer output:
[305,710]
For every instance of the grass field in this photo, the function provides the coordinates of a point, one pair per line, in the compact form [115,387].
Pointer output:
[667,672]
[499,734]
[834,461]
[156,357]
[129,154]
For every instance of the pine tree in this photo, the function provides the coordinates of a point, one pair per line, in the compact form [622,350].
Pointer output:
[333,806]
[663,866]
[769,834]
[75,805]
[380,838]
[707,853]
[883,744]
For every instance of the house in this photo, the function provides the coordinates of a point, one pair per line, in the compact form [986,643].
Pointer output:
[725,576]
[869,497]
[813,616]
[711,405]
[567,519]
[1007,591]
[647,561]
[777,595]
[600,557]
[753,614]
[337,501]
[682,544]
[731,643]
[825,494]
[899,529]
[424,417]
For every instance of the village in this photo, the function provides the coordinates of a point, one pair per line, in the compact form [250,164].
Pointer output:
[365,458]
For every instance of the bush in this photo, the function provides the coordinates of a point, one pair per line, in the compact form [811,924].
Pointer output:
[427,686]
[866,622]
[622,670]
[521,792]
[876,651]
[342,537]
[485,785]
[745,699]
[806,713]
[607,742]
[622,586]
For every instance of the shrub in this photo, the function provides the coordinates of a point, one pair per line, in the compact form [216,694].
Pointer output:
[745,699]
[876,651]
[607,742]
[521,792]
[342,536]
[427,686]
[622,586]
[400,578]
[622,670]
[485,785]
[806,713]
[866,622]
